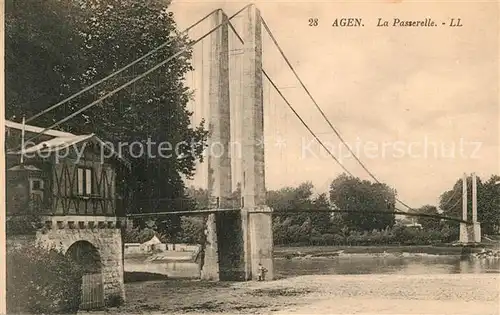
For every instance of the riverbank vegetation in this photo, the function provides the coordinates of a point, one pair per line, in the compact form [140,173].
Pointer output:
[359,225]
[302,218]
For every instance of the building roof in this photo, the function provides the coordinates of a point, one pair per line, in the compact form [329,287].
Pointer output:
[24,167]
[61,141]
[34,129]
[58,143]
[152,241]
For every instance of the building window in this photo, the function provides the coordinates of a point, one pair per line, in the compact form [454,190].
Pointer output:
[36,185]
[85,186]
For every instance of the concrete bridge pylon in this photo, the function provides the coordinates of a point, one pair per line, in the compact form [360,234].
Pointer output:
[469,233]
[256,215]
[237,245]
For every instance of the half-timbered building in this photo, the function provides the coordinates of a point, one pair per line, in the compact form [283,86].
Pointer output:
[76,185]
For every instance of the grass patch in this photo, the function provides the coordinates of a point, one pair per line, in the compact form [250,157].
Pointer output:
[211,306]
[205,306]
[280,292]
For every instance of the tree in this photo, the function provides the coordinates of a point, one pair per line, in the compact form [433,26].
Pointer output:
[427,222]
[299,216]
[321,221]
[361,199]
[42,62]
[295,219]
[288,199]
[96,38]
[488,203]
[132,28]
[192,230]
[450,202]
[42,281]
[285,203]
[199,197]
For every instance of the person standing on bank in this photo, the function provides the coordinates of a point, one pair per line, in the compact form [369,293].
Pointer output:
[262,272]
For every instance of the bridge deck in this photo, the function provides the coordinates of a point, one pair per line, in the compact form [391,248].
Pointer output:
[217,210]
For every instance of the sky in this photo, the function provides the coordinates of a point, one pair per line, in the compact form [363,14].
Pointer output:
[419,106]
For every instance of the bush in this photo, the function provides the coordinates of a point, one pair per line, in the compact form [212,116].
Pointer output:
[338,239]
[42,281]
[192,230]
[26,224]
[399,234]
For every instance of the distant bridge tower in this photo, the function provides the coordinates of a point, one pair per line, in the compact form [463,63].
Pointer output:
[469,233]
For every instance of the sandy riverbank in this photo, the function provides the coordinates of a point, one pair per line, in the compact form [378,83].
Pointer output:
[472,294]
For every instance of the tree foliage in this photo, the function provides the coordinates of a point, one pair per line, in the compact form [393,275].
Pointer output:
[488,203]
[42,281]
[294,213]
[57,47]
[428,223]
[192,230]
[42,62]
[360,198]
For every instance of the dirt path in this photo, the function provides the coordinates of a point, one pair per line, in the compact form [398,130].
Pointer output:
[331,294]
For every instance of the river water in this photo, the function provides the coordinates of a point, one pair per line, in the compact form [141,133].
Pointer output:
[348,264]
[369,264]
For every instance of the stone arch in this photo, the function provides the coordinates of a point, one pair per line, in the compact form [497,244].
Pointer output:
[86,255]
[106,246]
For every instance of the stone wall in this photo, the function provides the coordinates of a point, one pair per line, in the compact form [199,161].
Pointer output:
[108,242]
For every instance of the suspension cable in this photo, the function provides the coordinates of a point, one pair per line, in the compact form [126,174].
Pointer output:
[455,204]
[319,108]
[120,70]
[454,193]
[138,77]
[305,124]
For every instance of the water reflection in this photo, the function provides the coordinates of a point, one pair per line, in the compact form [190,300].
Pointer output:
[472,265]
[187,270]
[353,264]
[358,264]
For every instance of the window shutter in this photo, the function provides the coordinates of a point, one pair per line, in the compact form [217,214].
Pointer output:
[88,181]
[80,181]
